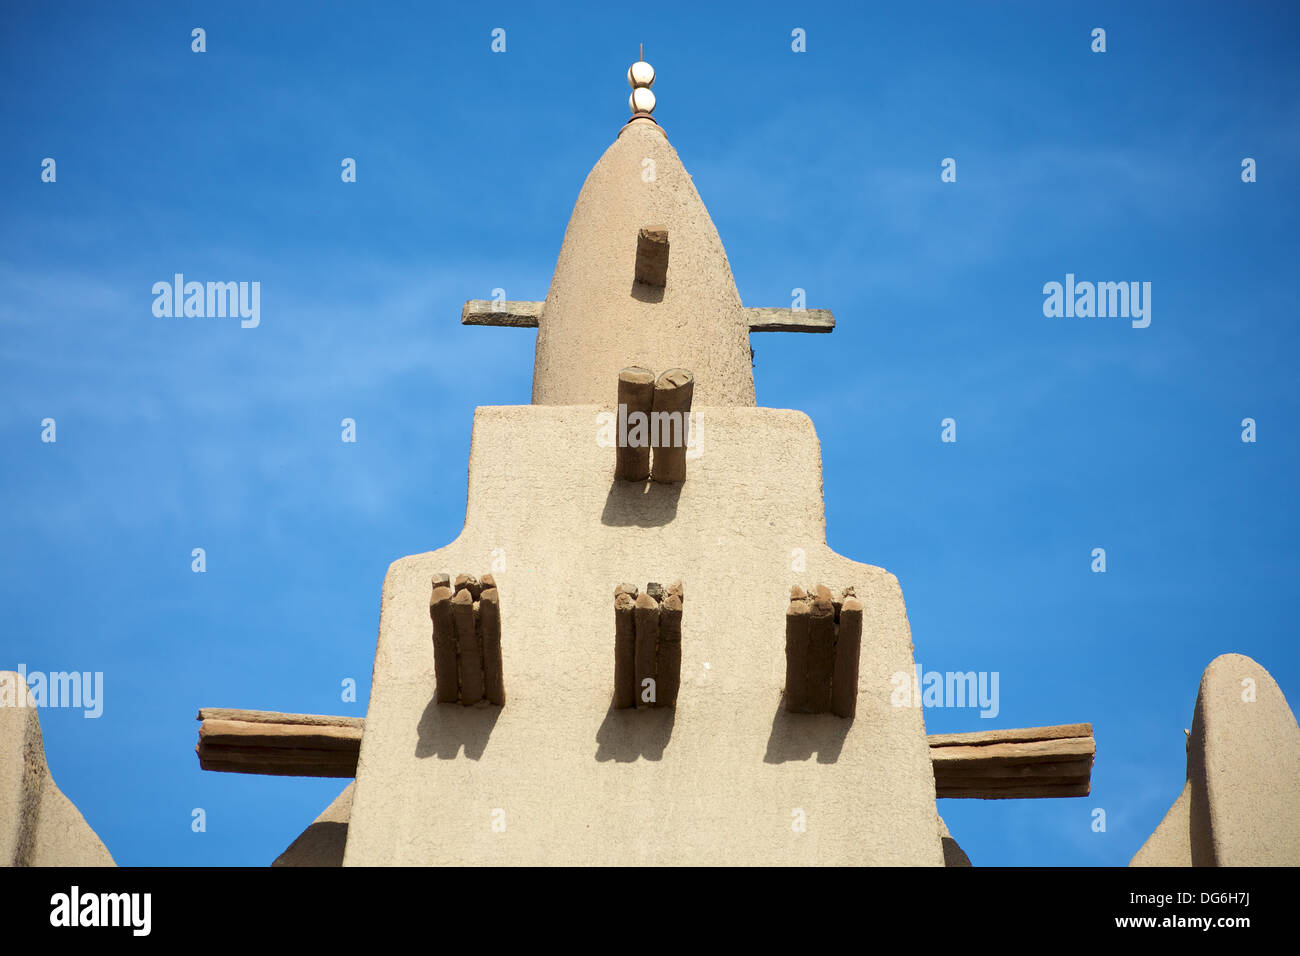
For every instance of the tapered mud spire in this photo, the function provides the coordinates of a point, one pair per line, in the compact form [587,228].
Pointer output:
[601,315]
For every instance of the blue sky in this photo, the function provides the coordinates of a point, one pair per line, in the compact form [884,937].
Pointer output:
[821,171]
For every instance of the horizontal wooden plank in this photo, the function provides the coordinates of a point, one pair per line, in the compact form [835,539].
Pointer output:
[274,753]
[1016,764]
[279,760]
[1017,735]
[1038,751]
[305,736]
[1057,769]
[1015,793]
[273,717]
[996,782]
[279,764]
[790,320]
[510,314]
[265,742]
[519,314]
[1025,763]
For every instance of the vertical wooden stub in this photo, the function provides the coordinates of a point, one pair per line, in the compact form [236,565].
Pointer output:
[670,423]
[821,651]
[669,662]
[625,689]
[464,613]
[848,649]
[646,616]
[798,623]
[823,645]
[652,255]
[444,644]
[467,582]
[489,620]
[636,388]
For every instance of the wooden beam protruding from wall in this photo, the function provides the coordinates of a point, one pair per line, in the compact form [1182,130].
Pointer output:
[1010,764]
[285,745]
[511,315]
[1025,763]
[670,424]
[790,320]
[636,393]
[525,315]
[652,256]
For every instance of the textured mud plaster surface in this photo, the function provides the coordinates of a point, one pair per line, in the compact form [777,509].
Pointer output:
[39,826]
[1241,803]
[1170,844]
[722,778]
[1243,763]
[322,843]
[597,319]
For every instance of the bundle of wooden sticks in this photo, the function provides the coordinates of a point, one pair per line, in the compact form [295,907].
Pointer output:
[647,645]
[467,640]
[823,640]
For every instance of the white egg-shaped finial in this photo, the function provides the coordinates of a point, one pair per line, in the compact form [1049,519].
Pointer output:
[641,101]
[640,75]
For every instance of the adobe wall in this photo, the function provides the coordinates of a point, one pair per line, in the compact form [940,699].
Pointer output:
[39,826]
[723,777]
[1240,805]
